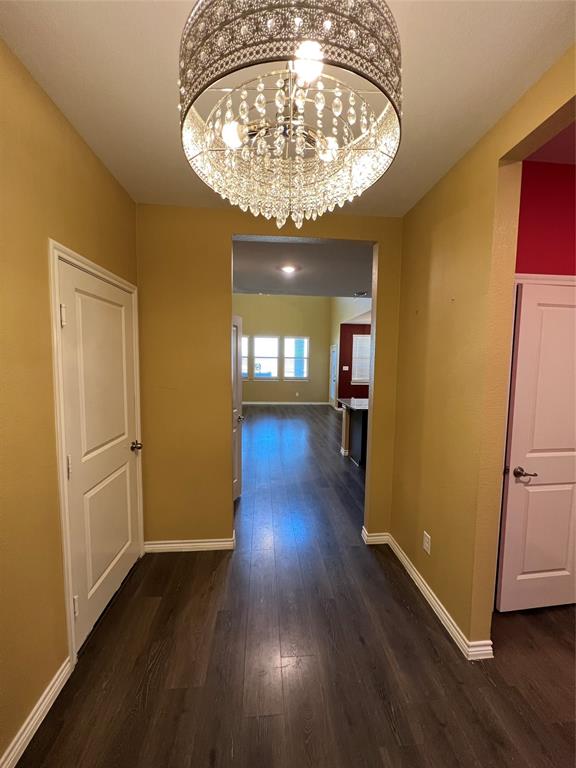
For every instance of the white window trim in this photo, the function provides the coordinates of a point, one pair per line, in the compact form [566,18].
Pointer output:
[359,382]
[294,378]
[248,377]
[252,358]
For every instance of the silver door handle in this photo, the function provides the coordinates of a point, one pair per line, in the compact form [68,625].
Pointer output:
[519,472]
[136,446]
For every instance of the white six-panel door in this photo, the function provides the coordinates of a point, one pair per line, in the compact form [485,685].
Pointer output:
[99,404]
[537,552]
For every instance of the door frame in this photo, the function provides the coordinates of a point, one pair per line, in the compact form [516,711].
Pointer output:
[238,389]
[59,253]
[519,280]
[334,403]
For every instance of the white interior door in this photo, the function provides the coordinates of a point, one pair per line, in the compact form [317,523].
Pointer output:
[237,416]
[98,357]
[538,535]
[333,372]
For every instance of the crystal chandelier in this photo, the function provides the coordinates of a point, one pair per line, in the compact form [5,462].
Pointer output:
[290,108]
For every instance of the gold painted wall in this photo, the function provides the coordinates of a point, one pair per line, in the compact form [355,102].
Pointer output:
[454,353]
[51,186]
[185,287]
[288,316]
[456,314]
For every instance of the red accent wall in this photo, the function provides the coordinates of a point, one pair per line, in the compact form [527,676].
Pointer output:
[546,228]
[345,388]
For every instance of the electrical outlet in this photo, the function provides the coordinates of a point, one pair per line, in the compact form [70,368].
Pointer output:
[427,542]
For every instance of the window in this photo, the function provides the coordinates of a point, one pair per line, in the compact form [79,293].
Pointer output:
[245,353]
[266,357]
[361,359]
[296,353]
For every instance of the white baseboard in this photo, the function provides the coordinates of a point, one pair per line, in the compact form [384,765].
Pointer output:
[192,545]
[375,538]
[473,650]
[33,721]
[276,402]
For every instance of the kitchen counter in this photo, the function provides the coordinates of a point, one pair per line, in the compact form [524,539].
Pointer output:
[354,403]
[354,428]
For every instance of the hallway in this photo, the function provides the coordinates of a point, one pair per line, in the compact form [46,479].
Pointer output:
[304,647]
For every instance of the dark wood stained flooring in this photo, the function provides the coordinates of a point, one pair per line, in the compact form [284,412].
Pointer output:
[304,648]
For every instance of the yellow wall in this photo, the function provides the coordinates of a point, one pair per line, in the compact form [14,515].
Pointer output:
[51,186]
[288,316]
[185,286]
[455,323]
[454,351]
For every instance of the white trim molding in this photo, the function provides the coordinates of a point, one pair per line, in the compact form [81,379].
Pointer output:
[191,545]
[296,402]
[59,251]
[24,736]
[375,538]
[520,277]
[473,650]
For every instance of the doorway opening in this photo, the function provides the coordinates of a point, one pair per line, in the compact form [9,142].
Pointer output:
[537,544]
[303,352]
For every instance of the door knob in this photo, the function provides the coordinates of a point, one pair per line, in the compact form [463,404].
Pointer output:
[519,472]
[136,446]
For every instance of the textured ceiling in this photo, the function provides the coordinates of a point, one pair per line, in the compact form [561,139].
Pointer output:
[112,68]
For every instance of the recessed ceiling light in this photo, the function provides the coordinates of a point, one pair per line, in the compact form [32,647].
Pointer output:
[288,269]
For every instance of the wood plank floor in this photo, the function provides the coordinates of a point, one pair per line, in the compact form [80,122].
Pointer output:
[304,648]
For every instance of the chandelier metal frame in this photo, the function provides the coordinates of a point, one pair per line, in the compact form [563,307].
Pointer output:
[223,37]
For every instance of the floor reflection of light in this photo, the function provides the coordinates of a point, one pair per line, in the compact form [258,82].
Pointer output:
[287,441]
[266,539]
[304,531]
[281,473]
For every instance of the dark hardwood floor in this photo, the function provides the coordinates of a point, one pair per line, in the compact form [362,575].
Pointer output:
[304,648]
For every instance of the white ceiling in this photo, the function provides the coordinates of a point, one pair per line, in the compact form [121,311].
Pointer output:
[112,68]
[324,267]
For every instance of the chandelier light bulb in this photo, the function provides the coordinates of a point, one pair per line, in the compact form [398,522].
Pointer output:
[328,150]
[290,110]
[232,134]
[309,62]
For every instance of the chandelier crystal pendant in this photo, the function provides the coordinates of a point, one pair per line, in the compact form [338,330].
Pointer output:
[290,108]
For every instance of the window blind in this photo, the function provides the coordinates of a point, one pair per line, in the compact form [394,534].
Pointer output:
[361,359]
